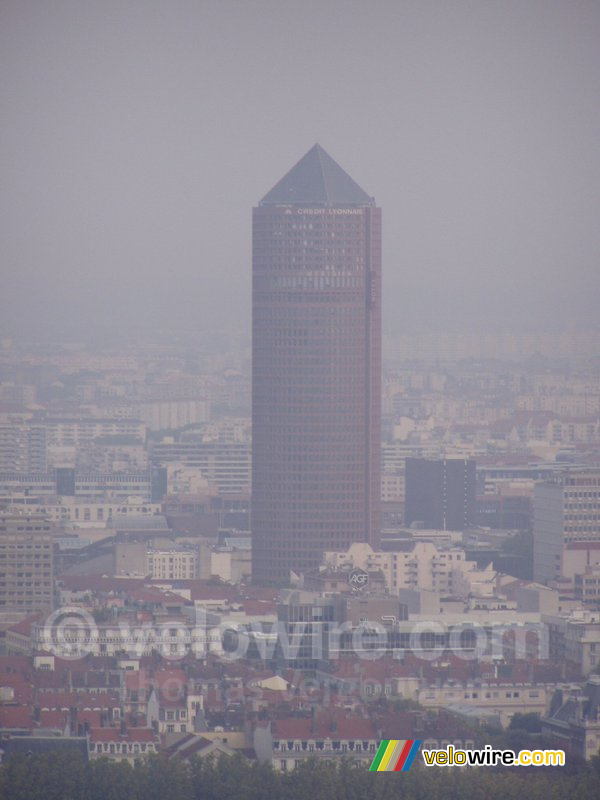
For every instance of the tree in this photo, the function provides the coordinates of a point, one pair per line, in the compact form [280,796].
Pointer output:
[59,776]
[531,723]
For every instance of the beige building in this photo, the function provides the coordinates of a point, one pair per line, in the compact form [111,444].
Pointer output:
[162,559]
[122,744]
[231,564]
[503,700]
[575,639]
[421,566]
[176,563]
[172,414]
[89,514]
[586,587]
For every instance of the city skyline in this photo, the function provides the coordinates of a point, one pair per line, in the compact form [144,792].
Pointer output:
[284,479]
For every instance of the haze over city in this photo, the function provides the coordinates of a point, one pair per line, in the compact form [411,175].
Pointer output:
[138,135]
[299,399]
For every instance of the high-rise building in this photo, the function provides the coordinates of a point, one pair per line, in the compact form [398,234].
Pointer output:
[440,494]
[26,564]
[316,374]
[566,511]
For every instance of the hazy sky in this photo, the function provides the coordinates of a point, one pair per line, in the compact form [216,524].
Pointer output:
[136,137]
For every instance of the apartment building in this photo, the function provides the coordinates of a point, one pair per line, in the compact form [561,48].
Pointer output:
[26,564]
[565,510]
[420,565]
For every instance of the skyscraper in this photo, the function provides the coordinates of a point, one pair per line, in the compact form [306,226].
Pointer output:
[316,374]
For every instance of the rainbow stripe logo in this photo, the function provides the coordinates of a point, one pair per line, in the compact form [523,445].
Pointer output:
[395,755]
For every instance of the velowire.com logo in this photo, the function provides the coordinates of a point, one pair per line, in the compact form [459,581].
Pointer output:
[395,755]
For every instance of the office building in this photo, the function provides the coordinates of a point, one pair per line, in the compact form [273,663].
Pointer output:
[225,465]
[440,494]
[565,511]
[316,376]
[19,487]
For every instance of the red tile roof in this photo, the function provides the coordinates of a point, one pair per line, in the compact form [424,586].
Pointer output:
[325,726]
[115,735]
[24,626]
[255,608]
[260,593]
[15,717]
[583,546]
[172,682]
[294,729]
[14,664]
[53,719]
[92,700]
[17,690]
[152,594]
[93,718]
[205,592]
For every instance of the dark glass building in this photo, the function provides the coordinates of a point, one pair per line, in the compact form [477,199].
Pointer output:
[316,374]
[65,482]
[440,495]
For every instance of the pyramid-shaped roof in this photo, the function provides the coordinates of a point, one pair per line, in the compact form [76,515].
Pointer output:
[317,180]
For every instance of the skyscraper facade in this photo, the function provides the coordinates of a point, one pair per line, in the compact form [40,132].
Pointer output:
[316,375]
